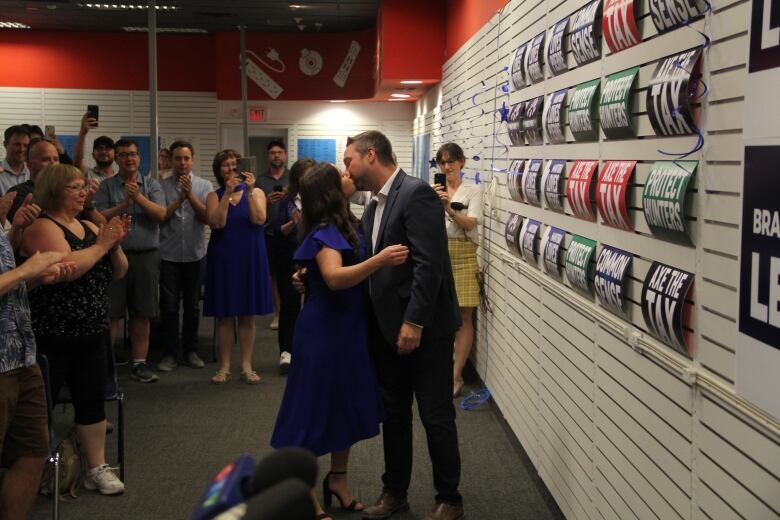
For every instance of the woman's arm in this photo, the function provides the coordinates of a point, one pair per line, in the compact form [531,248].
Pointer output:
[256,205]
[118,258]
[337,276]
[217,209]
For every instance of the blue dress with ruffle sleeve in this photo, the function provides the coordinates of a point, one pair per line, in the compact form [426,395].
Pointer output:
[332,399]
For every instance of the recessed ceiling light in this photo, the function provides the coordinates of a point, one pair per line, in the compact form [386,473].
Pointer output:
[337,101]
[396,99]
[402,96]
[13,25]
[126,7]
[188,30]
[411,82]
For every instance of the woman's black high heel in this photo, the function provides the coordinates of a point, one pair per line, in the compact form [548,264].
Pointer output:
[327,494]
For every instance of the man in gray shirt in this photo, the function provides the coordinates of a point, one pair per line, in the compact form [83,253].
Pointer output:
[129,193]
[16,140]
[183,254]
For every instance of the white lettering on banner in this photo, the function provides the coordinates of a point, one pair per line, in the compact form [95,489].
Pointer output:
[534,64]
[583,41]
[765,312]
[612,264]
[617,24]
[661,314]
[555,57]
[671,13]
[766,222]
[609,293]
[668,183]
[663,213]
[579,109]
[665,93]
[614,116]
[615,90]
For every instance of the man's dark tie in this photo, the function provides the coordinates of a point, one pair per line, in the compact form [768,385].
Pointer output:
[369,225]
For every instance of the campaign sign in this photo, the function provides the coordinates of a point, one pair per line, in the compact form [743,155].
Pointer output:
[580,189]
[619,25]
[517,68]
[578,259]
[611,271]
[531,182]
[663,303]
[759,295]
[554,116]
[764,37]
[664,197]
[514,124]
[532,121]
[533,59]
[512,232]
[668,14]
[612,191]
[616,105]
[582,111]
[552,184]
[528,236]
[585,33]
[551,250]
[514,180]
[670,91]
[556,52]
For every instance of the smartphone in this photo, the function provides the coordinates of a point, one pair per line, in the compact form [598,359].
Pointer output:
[94,111]
[440,178]
[279,188]
[49,131]
[244,164]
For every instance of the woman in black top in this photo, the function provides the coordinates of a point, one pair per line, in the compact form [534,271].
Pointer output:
[70,319]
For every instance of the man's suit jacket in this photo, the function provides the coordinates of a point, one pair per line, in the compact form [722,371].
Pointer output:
[422,290]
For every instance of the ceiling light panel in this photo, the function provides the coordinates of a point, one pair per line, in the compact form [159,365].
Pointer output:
[126,7]
[186,30]
[13,25]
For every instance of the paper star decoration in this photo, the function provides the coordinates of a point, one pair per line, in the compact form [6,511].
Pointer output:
[432,163]
[504,111]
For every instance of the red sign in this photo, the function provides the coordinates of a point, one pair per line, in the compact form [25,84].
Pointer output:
[619,25]
[579,189]
[611,193]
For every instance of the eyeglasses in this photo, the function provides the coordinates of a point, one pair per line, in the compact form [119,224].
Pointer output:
[77,187]
[127,155]
[450,162]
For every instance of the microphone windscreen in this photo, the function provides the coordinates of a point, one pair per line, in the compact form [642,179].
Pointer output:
[287,500]
[283,464]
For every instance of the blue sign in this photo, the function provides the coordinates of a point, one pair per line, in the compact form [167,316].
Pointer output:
[320,150]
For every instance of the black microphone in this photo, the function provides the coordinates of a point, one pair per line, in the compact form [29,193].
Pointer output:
[457,206]
[287,500]
[280,465]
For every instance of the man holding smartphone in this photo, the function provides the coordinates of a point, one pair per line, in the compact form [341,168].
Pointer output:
[273,183]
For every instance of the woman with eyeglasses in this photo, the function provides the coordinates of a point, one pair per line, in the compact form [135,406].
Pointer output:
[238,283]
[70,319]
[462,210]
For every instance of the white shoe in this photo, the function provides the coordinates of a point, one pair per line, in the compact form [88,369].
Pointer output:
[104,480]
[274,324]
[167,363]
[284,362]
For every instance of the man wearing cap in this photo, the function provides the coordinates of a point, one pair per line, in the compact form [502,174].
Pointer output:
[102,152]
[14,171]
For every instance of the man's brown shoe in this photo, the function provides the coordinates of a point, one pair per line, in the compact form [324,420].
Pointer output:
[442,511]
[386,506]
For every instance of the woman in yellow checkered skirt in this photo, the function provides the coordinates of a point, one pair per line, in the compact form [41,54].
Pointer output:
[463,211]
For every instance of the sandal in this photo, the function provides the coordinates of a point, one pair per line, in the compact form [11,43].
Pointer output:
[221,377]
[250,377]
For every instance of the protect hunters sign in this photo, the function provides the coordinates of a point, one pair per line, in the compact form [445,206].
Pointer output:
[514,179]
[616,105]
[517,68]
[532,122]
[580,189]
[578,262]
[663,304]
[669,94]
[511,234]
[534,59]
[556,51]
[582,111]
[668,14]
[664,197]
[611,270]
[551,250]
[528,237]
[554,117]
[619,25]
[585,33]
[531,182]
[612,191]
[552,184]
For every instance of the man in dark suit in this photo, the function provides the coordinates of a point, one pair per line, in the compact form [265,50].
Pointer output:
[413,321]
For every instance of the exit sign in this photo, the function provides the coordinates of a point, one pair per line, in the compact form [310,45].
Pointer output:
[256,114]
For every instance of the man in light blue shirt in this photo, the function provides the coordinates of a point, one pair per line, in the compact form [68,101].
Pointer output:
[183,255]
[16,140]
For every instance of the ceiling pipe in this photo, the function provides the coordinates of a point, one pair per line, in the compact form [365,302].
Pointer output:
[153,128]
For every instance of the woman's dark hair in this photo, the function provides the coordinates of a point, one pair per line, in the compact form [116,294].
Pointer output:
[453,150]
[296,172]
[216,164]
[324,203]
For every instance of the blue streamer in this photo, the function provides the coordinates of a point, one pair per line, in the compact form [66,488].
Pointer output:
[477,179]
[476,158]
[699,143]
[475,399]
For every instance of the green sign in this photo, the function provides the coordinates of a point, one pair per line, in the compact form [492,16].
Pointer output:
[578,259]
[616,105]
[582,111]
[664,198]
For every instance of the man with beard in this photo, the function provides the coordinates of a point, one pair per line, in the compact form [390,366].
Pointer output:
[102,152]
[14,170]
[273,182]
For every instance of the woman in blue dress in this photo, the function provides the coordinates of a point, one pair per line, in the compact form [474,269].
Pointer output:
[332,400]
[238,284]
